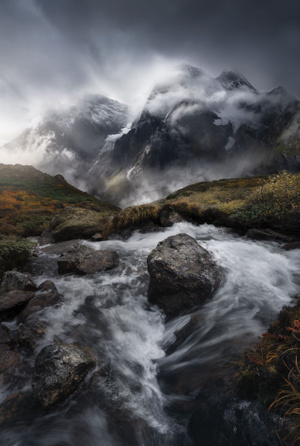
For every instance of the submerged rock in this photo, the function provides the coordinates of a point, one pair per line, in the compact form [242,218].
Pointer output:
[182,274]
[59,369]
[83,260]
[14,280]
[226,420]
[268,234]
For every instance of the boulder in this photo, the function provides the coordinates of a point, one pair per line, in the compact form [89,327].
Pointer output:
[31,332]
[46,296]
[182,274]
[17,410]
[168,217]
[9,359]
[59,369]
[5,335]
[82,260]
[291,246]
[61,248]
[14,280]
[11,303]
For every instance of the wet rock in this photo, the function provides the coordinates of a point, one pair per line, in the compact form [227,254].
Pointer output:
[5,335]
[268,234]
[61,248]
[227,421]
[31,332]
[182,274]
[9,358]
[187,330]
[14,280]
[16,408]
[168,217]
[59,369]
[291,246]
[97,237]
[47,286]
[46,296]
[83,260]
[12,303]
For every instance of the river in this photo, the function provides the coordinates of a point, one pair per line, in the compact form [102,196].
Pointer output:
[148,379]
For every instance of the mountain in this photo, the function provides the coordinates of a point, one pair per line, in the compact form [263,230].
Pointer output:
[193,127]
[196,127]
[69,142]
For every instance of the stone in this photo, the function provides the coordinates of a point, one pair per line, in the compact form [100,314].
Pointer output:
[97,237]
[9,358]
[31,332]
[46,296]
[61,248]
[83,260]
[168,217]
[12,303]
[5,335]
[17,410]
[59,369]
[291,246]
[268,234]
[182,274]
[14,280]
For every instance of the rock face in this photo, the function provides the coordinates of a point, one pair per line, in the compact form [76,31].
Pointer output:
[83,260]
[182,274]
[59,369]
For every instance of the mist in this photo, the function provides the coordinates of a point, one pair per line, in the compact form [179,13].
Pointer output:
[53,53]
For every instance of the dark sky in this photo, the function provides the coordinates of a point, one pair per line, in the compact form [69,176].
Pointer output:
[53,51]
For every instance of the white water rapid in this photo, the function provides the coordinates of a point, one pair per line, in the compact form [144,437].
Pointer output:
[147,371]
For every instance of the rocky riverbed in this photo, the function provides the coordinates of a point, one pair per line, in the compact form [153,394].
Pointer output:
[91,354]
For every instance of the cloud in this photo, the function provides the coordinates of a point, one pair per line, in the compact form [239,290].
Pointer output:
[52,52]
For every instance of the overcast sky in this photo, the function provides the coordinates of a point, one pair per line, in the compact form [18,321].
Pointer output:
[53,51]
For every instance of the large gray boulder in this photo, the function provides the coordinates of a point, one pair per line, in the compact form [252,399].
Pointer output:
[182,274]
[59,369]
[82,260]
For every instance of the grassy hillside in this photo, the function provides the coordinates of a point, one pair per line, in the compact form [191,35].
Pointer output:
[29,199]
[241,203]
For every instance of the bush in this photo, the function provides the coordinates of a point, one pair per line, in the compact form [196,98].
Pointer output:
[14,253]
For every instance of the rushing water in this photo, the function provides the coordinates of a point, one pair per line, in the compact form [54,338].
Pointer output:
[149,378]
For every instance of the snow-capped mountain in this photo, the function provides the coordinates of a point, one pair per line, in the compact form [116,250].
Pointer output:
[197,127]
[69,142]
[193,127]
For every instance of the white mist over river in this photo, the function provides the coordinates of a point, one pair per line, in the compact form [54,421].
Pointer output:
[144,364]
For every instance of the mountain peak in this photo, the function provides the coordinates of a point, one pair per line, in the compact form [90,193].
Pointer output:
[190,70]
[232,79]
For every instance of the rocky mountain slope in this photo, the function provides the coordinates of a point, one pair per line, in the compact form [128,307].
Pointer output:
[193,127]
[196,127]
[68,142]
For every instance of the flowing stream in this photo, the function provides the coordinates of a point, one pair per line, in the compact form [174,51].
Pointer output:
[147,380]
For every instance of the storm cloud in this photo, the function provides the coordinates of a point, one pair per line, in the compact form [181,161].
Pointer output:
[52,52]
